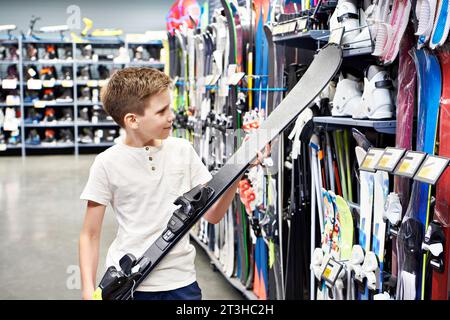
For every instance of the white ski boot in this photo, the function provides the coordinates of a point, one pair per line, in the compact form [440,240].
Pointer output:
[393,209]
[345,16]
[376,101]
[347,99]
[371,271]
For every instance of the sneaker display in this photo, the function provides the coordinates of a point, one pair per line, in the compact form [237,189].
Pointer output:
[33,138]
[84,115]
[87,136]
[66,96]
[103,72]
[85,94]
[49,137]
[32,52]
[48,95]
[66,136]
[49,115]
[67,115]
[50,52]
[66,73]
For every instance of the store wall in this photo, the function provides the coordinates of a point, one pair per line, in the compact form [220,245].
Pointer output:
[132,16]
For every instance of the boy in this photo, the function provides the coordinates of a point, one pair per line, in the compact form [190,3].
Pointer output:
[141,178]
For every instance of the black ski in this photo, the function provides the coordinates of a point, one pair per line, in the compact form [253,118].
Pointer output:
[120,284]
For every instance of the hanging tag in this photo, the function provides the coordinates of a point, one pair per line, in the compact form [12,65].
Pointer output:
[409,164]
[431,169]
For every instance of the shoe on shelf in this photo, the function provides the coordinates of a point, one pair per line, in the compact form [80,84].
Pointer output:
[33,138]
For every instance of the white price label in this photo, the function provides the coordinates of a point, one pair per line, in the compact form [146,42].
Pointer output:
[92,83]
[67,83]
[9,83]
[48,83]
[34,84]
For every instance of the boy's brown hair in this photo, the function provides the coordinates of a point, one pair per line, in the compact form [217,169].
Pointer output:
[128,91]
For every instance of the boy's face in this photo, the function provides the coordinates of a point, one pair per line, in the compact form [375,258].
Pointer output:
[156,123]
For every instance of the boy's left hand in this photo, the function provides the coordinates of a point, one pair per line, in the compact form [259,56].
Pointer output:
[260,157]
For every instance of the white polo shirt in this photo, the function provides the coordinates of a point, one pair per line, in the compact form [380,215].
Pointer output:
[141,185]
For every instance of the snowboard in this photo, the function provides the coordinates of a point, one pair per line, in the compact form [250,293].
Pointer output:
[404,130]
[440,279]
[120,284]
[411,263]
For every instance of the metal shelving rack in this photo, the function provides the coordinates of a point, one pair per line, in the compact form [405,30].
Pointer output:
[382,126]
[76,83]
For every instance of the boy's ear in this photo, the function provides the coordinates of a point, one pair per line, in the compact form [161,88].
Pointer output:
[131,121]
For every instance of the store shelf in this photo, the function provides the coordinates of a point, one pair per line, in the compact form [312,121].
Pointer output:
[8,62]
[356,52]
[49,125]
[151,64]
[88,103]
[50,104]
[99,124]
[147,43]
[48,62]
[51,146]
[95,145]
[233,281]
[109,44]
[307,40]
[383,126]
[57,40]
[107,62]
[12,147]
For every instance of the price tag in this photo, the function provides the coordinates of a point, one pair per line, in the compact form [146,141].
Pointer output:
[409,164]
[431,169]
[9,83]
[301,24]
[371,159]
[330,271]
[39,104]
[336,36]
[67,83]
[390,158]
[34,84]
[48,83]
[92,83]
[102,83]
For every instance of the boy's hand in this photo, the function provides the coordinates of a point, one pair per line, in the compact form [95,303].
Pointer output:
[260,157]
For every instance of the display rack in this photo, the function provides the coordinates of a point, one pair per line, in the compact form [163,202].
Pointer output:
[382,126]
[75,84]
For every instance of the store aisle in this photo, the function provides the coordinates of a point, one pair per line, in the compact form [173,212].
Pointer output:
[41,218]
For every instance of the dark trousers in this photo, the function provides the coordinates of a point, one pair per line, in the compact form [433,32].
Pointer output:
[190,292]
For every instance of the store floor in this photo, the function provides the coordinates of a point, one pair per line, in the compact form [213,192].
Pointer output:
[40,220]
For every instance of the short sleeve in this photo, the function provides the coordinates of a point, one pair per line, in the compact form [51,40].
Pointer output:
[97,187]
[199,172]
